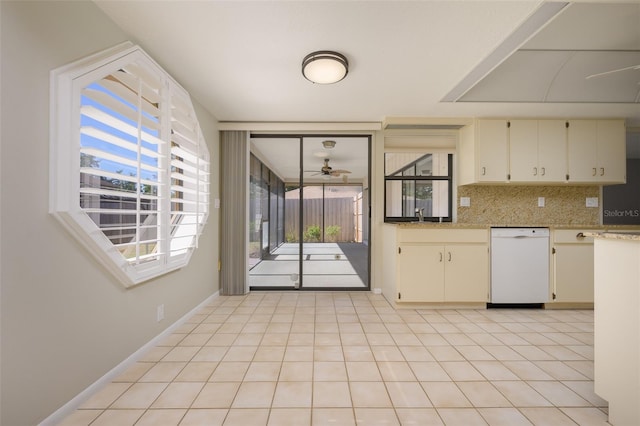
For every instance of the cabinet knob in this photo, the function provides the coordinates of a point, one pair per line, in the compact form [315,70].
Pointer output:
[535,171]
[484,171]
[579,235]
[440,256]
[601,171]
[595,172]
[449,256]
[543,171]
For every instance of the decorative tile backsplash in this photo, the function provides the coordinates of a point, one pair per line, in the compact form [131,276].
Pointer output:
[518,205]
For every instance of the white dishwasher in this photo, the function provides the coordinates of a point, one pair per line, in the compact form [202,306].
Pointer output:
[519,265]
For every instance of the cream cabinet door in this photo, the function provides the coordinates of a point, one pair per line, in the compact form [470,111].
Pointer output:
[611,151]
[538,150]
[582,140]
[421,273]
[491,150]
[597,151]
[573,275]
[523,151]
[466,273]
[552,150]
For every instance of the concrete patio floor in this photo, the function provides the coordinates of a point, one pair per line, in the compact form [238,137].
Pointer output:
[324,265]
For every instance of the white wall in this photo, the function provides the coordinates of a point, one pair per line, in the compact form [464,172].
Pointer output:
[65,321]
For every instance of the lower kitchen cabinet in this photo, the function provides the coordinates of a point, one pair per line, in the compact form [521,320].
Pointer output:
[420,273]
[466,273]
[574,273]
[573,267]
[443,273]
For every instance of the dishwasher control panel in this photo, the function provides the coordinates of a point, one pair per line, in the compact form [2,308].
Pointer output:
[520,232]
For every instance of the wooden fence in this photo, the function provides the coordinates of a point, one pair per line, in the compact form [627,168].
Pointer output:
[340,212]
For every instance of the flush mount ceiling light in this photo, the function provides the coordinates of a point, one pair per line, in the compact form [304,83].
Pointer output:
[325,67]
[328,144]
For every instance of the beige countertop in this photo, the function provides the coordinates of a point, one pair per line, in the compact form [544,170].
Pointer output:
[456,225]
[628,236]
[437,225]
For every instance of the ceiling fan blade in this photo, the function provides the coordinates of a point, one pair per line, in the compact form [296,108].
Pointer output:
[635,67]
[339,171]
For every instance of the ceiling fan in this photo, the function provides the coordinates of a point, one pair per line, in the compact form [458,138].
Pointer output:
[328,171]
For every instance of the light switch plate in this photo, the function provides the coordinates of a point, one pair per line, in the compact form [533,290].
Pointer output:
[540,201]
[592,202]
[465,201]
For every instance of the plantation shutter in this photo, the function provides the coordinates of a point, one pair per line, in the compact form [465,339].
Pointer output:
[130,168]
[120,146]
[189,177]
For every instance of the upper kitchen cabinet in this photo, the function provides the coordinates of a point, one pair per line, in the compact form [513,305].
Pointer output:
[483,152]
[597,151]
[546,152]
[537,151]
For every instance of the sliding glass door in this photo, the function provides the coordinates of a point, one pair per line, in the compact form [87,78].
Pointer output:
[274,255]
[309,212]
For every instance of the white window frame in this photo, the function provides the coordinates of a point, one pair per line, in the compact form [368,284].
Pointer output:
[67,83]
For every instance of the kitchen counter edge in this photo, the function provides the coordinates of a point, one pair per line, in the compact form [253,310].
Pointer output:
[457,225]
[628,236]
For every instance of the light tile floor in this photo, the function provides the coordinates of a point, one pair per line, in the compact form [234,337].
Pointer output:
[347,358]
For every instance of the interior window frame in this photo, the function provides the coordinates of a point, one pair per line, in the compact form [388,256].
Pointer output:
[400,176]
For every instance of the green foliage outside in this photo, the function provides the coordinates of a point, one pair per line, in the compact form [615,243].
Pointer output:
[291,237]
[87,160]
[312,234]
[332,232]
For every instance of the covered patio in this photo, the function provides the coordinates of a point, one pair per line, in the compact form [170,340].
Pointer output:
[324,265]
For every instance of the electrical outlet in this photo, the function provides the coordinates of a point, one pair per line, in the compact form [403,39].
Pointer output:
[592,202]
[160,313]
[540,201]
[465,201]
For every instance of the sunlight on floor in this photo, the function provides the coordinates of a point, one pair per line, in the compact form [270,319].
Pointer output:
[325,265]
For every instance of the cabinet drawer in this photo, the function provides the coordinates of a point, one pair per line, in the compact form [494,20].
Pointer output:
[443,236]
[572,236]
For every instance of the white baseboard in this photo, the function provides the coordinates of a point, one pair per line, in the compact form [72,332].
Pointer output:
[71,406]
